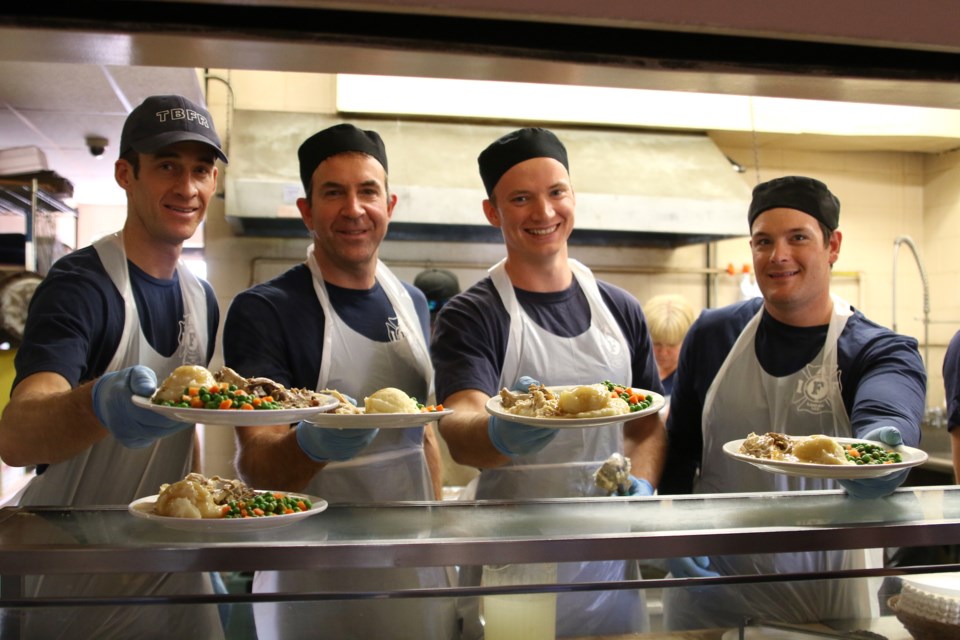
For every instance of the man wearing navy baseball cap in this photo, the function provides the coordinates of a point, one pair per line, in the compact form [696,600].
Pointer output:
[798,361]
[108,321]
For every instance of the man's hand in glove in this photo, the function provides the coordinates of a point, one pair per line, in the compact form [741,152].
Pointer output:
[869,488]
[326,445]
[639,487]
[134,427]
[691,567]
[515,439]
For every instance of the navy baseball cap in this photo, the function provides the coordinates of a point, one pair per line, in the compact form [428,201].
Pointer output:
[160,121]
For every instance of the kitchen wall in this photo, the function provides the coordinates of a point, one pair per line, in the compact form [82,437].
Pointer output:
[884,195]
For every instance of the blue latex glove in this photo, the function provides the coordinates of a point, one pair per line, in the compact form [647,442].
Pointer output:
[515,439]
[639,487]
[323,445]
[134,427]
[692,567]
[870,488]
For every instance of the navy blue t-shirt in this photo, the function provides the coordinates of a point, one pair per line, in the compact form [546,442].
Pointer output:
[470,336]
[275,329]
[881,377]
[951,380]
[76,318]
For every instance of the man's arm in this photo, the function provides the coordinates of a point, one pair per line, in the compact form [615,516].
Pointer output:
[431,449]
[465,430]
[645,443]
[47,421]
[259,450]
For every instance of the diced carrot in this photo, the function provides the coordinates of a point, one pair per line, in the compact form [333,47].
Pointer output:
[302,505]
[215,388]
[853,452]
[226,404]
[256,402]
[196,403]
[439,407]
[634,399]
[278,496]
[288,510]
[267,398]
[244,514]
[193,391]
[258,511]
[225,509]
[246,406]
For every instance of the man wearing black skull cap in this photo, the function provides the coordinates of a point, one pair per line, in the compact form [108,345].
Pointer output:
[343,321]
[541,315]
[798,361]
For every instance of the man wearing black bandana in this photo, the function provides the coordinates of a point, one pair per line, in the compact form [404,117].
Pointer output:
[798,361]
[341,320]
[544,316]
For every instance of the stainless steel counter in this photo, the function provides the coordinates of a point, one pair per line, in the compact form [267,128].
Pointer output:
[54,540]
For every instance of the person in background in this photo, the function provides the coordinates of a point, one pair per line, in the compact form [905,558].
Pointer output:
[438,285]
[341,320]
[797,361]
[669,317]
[541,315]
[951,382]
[106,321]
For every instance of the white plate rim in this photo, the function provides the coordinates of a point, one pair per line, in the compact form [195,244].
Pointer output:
[227,525]
[376,420]
[911,458]
[494,407]
[234,417]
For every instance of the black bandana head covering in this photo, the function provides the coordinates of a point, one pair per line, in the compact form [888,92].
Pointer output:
[339,138]
[796,192]
[514,148]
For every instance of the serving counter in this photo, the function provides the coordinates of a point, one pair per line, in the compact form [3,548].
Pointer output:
[54,540]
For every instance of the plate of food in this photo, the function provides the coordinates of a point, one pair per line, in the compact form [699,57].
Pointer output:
[574,406]
[217,505]
[387,408]
[194,394]
[820,456]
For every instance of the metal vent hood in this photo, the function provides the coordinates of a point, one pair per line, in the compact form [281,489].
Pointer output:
[633,188]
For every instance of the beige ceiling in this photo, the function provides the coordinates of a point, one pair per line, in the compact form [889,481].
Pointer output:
[59,86]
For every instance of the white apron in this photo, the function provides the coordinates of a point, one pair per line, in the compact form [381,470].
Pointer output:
[392,468]
[110,474]
[565,467]
[743,398]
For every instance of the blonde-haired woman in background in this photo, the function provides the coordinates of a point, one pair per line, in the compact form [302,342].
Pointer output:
[668,319]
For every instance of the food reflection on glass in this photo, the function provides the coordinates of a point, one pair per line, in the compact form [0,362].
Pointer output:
[584,401]
[816,449]
[194,387]
[199,497]
[613,476]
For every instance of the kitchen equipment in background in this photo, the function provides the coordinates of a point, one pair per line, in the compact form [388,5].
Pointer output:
[519,616]
[907,240]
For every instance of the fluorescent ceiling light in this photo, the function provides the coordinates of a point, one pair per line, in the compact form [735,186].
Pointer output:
[635,107]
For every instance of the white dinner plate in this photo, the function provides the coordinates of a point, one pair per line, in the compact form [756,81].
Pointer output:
[143,508]
[911,458]
[236,417]
[495,408]
[376,420]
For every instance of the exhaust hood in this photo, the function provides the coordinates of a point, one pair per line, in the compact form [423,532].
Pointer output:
[634,188]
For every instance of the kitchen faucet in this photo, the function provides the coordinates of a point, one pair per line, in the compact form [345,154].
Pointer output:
[926,292]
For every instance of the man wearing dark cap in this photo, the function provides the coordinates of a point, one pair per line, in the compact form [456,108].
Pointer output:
[104,324]
[798,361]
[438,285]
[341,321]
[541,315]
